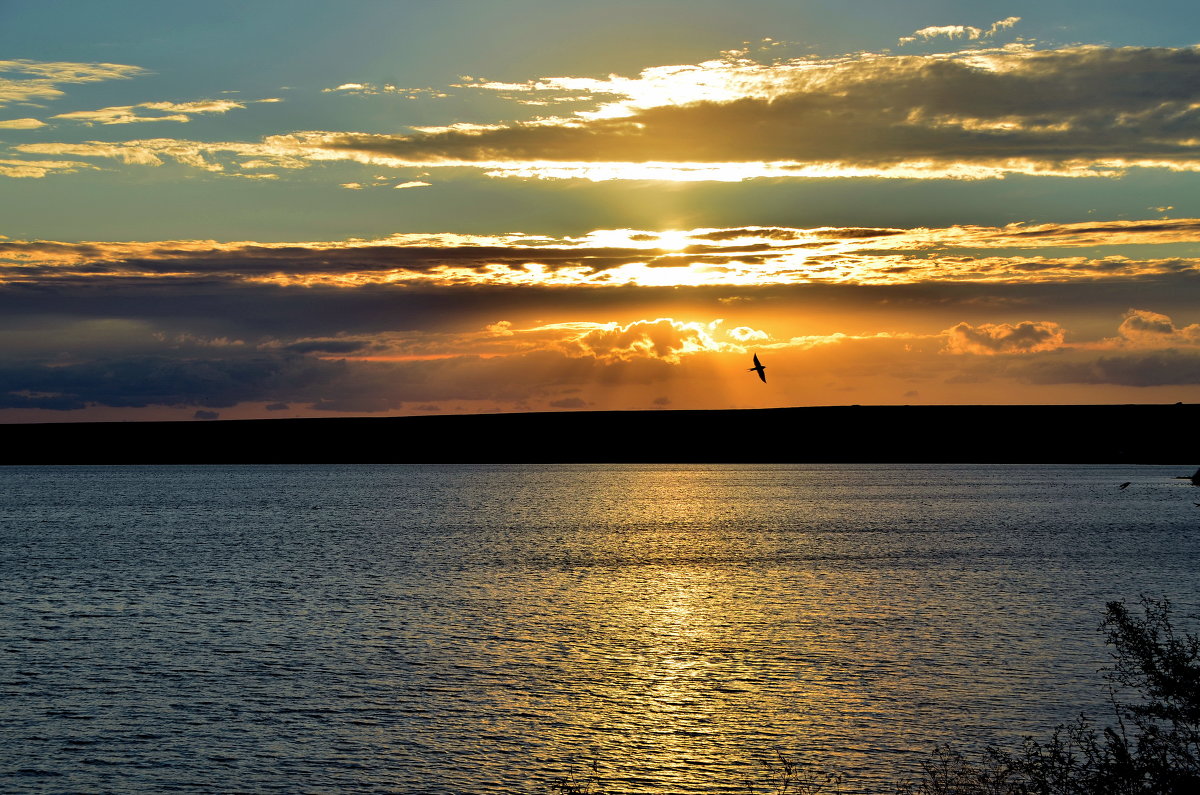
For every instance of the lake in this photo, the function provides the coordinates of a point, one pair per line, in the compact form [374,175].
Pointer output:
[485,629]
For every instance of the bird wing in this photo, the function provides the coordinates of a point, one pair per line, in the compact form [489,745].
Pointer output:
[762,375]
[757,364]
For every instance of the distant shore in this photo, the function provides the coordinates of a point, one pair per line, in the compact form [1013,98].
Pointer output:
[1127,434]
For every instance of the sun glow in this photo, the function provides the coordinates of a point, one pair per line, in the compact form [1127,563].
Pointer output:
[674,240]
[730,257]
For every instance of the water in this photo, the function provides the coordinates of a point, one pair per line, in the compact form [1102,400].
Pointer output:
[484,629]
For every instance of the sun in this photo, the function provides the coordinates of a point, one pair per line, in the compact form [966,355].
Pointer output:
[673,240]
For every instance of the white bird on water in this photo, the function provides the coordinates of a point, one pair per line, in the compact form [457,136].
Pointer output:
[758,368]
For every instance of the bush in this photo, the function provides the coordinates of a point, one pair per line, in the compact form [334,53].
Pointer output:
[1152,748]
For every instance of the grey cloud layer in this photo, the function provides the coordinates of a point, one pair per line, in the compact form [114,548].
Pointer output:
[287,378]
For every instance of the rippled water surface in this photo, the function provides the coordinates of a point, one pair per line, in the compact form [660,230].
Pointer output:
[484,629]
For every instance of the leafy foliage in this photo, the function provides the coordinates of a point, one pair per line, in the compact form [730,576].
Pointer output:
[1152,748]
[788,775]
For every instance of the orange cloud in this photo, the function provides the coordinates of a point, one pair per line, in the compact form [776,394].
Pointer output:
[1003,338]
[664,339]
[1143,328]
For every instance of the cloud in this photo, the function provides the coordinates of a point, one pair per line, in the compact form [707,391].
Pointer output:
[287,379]
[997,338]
[130,367]
[949,31]
[165,111]
[203,414]
[214,157]
[138,381]
[21,124]
[405,364]
[746,334]
[664,339]
[328,346]
[1149,369]
[960,31]
[744,256]
[370,89]
[1144,328]
[37,169]
[25,81]
[1079,111]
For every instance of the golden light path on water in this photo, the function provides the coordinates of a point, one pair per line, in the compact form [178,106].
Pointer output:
[717,633]
[489,629]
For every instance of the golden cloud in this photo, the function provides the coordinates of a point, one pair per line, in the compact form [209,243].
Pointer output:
[39,168]
[167,111]
[24,80]
[1082,111]
[21,124]
[976,114]
[743,256]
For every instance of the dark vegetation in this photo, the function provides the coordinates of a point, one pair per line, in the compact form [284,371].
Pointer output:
[1149,746]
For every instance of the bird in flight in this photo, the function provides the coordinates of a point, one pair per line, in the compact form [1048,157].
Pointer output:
[1125,485]
[758,368]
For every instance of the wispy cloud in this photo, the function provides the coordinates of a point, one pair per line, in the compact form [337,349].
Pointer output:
[26,81]
[36,169]
[1083,111]
[208,156]
[371,89]
[21,124]
[960,31]
[976,114]
[159,111]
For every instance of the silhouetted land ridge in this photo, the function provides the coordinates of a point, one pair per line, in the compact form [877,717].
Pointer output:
[899,434]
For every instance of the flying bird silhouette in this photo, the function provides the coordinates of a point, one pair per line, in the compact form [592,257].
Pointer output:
[758,368]
[1125,485]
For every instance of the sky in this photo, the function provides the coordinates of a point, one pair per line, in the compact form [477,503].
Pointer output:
[229,210]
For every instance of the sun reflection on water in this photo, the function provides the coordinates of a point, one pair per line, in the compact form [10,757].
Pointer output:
[481,629]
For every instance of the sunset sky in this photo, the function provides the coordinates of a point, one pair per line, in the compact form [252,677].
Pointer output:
[283,209]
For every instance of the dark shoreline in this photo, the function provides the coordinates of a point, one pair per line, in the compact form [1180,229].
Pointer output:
[1094,434]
